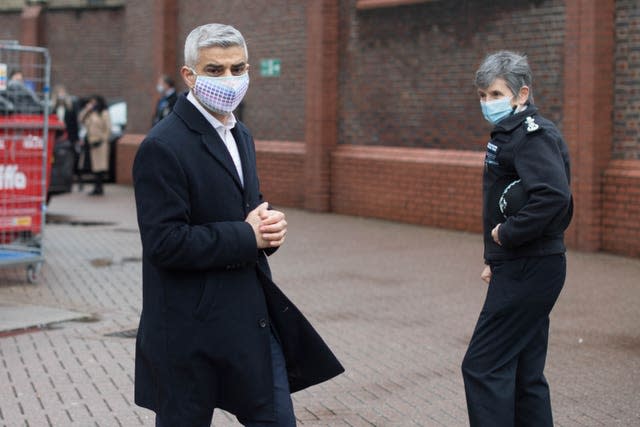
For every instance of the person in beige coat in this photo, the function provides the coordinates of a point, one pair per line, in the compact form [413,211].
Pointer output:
[94,156]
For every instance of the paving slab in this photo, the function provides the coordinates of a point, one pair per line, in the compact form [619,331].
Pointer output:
[396,302]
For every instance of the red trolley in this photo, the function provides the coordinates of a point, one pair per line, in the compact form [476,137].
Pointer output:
[26,144]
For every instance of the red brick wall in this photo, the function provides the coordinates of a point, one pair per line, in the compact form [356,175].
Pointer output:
[621,182]
[321,106]
[406,72]
[588,109]
[439,188]
[10,26]
[621,207]
[404,80]
[86,49]
[280,168]
[32,25]
[139,62]
[125,153]
[626,119]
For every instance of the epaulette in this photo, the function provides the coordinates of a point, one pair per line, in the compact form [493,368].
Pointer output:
[531,125]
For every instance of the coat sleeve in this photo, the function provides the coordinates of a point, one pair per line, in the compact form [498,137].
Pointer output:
[540,165]
[169,239]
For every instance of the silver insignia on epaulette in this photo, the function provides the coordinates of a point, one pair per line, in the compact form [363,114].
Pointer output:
[531,124]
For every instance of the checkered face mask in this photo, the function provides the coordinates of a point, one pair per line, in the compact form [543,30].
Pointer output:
[221,95]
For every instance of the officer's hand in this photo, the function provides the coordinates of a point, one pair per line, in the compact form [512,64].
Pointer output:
[495,235]
[486,274]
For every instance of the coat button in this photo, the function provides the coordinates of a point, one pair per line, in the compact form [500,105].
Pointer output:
[262,323]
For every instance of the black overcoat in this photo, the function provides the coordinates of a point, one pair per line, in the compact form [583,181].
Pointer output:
[208,298]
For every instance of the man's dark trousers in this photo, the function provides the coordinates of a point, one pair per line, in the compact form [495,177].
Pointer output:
[282,397]
[504,364]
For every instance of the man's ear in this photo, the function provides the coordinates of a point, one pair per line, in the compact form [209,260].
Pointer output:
[523,95]
[188,76]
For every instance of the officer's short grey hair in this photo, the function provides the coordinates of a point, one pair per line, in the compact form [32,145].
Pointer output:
[211,35]
[512,67]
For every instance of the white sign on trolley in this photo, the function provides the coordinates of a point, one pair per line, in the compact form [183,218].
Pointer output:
[3,77]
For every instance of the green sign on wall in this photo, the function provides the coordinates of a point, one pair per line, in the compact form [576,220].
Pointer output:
[270,67]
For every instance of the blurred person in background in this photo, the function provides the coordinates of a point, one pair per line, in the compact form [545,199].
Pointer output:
[16,77]
[64,106]
[21,94]
[168,97]
[94,156]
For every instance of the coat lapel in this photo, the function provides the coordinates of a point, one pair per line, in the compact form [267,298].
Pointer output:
[247,167]
[209,137]
[216,147]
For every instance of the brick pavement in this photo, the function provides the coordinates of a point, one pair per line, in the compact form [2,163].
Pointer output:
[396,302]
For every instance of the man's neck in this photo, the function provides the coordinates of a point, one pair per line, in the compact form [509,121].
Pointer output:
[222,118]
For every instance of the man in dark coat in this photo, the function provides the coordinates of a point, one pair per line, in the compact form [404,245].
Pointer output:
[215,331]
[527,206]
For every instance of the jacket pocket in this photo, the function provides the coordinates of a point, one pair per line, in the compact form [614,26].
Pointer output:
[207,300]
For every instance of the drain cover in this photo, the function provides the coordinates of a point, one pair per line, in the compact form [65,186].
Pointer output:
[67,220]
[18,316]
[127,333]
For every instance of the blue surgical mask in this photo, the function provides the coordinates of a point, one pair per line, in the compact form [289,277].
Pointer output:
[496,110]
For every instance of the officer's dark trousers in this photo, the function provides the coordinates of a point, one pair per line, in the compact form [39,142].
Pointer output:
[504,364]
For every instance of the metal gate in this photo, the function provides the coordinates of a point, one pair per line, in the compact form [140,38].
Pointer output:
[25,149]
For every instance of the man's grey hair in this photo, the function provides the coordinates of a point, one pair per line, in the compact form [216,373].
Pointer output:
[512,67]
[211,35]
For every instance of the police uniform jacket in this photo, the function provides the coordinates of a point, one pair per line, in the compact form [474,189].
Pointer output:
[528,147]
[208,299]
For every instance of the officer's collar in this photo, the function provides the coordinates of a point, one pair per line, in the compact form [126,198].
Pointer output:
[513,121]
